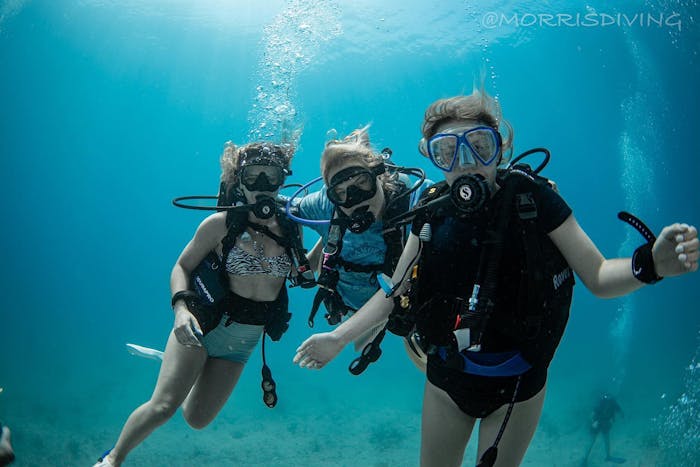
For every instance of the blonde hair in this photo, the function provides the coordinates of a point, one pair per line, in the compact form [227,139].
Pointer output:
[232,156]
[478,106]
[355,148]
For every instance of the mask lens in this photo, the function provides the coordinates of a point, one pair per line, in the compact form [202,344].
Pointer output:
[356,181]
[362,181]
[480,143]
[483,143]
[337,194]
[273,174]
[443,149]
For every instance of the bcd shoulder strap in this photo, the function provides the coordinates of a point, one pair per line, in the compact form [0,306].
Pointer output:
[533,280]
[395,238]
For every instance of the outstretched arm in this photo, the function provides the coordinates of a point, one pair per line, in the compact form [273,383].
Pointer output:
[675,252]
[319,349]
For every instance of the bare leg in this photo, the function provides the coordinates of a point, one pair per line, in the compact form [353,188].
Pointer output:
[445,431]
[519,431]
[211,391]
[180,368]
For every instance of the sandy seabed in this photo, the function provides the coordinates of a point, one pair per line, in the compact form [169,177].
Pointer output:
[387,437]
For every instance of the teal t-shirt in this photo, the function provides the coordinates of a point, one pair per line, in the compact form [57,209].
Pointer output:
[364,248]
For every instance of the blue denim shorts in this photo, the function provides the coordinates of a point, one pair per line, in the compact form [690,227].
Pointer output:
[234,342]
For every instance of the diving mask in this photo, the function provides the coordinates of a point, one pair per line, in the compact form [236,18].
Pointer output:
[263,167]
[353,185]
[262,177]
[481,143]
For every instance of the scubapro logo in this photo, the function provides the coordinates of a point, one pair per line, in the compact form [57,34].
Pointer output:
[466,193]
[203,288]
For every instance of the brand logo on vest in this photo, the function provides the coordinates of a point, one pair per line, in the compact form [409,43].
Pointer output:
[203,288]
[560,278]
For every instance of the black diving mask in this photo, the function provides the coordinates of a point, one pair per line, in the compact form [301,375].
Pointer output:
[353,185]
[262,177]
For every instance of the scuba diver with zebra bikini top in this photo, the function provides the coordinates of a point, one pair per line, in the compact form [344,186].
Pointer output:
[222,309]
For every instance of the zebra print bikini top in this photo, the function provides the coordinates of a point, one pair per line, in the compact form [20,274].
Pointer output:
[242,263]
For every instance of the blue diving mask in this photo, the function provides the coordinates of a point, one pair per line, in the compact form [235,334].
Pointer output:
[480,144]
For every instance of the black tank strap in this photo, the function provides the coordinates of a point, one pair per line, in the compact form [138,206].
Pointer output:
[527,214]
[328,278]
[531,300]
[301,275]
[395,235]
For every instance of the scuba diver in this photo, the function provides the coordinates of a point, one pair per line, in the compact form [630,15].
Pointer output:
[362,190]
[487,277]
[228,290]
[601,421]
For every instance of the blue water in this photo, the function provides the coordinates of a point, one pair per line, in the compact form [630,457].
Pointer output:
[111,109]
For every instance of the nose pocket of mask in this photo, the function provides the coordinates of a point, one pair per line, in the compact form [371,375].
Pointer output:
[466,157]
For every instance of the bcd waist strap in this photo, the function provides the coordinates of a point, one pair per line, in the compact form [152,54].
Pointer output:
[510,363]
[273,315]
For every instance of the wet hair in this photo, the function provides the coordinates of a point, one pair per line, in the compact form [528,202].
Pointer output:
[356,148]
[478,106]
[233,156]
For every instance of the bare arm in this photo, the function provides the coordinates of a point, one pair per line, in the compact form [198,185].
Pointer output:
[314,255]
[206,238]
[675,252]
[378,308]
[321,348]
